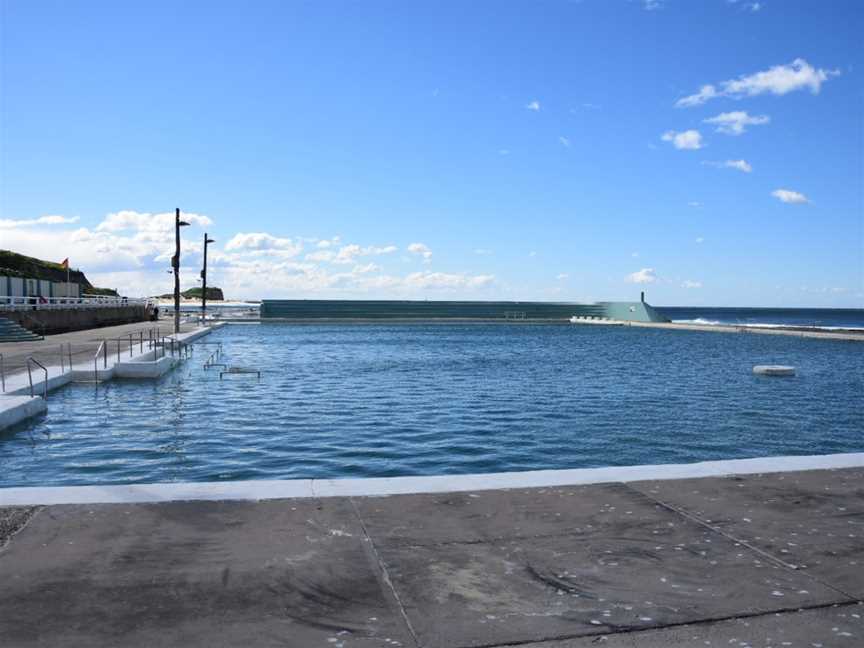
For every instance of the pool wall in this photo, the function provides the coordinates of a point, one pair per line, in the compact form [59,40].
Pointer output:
[259,490]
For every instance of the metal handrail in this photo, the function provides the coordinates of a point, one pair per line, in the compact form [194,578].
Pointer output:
[2,373]
[215,355]
[30,376]
[102,347]
[63,359]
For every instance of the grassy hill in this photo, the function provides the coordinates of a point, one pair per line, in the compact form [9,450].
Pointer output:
[213,294]
[18,265]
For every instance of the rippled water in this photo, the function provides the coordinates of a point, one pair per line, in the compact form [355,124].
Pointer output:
[379,400]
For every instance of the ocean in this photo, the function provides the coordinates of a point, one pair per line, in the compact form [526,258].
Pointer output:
[820,318]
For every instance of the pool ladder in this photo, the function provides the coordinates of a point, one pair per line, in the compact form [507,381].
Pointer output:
[30,362]
[213,359]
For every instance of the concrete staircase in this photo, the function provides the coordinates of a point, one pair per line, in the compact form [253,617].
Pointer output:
[12,332]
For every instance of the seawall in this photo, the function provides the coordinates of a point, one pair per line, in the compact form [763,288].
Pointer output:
[50,322]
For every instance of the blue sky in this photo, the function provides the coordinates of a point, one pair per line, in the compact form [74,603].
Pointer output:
[484,150]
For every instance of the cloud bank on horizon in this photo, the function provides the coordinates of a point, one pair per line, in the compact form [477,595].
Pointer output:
[131,251]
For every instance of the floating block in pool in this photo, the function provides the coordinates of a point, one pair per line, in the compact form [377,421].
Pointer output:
[774,370]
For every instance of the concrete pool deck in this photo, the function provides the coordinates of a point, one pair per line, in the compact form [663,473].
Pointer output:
[760,559]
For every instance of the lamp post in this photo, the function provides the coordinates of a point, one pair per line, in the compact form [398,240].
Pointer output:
[175,263]
[207,241]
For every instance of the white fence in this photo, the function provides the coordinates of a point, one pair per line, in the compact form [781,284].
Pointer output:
[34,302]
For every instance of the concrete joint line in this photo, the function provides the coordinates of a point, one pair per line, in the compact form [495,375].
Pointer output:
[699,622]
[769,556]
[385,576]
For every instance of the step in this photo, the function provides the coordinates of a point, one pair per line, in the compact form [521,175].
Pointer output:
[13,332]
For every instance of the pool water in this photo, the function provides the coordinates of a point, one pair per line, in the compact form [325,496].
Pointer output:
[429,399]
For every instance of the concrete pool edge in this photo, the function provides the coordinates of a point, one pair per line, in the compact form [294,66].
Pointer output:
[17,405]
[383,486]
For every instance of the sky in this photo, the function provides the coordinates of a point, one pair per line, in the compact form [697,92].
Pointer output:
[708,152]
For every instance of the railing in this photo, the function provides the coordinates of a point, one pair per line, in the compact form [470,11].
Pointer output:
[30,361]
[63,359]
[211,360]
[2,374]
[35,302]
[161,345]
[103,349]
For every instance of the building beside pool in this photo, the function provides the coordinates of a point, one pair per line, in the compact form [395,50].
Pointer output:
[325,309]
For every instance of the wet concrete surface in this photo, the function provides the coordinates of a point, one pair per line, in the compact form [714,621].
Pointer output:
[84,343]
[762,560]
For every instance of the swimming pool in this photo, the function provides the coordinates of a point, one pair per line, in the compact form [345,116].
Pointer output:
[429,399]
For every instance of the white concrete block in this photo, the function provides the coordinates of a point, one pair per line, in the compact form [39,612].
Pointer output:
[14,409]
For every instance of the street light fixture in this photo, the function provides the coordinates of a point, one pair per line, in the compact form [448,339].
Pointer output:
[175,263]
[207,241]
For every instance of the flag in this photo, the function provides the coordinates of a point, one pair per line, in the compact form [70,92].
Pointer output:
[65,263]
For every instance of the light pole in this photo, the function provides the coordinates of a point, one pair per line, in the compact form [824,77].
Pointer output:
[175,263]
[207,241]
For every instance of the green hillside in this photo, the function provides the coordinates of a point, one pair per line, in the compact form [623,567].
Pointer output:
[213,294]
[13,264]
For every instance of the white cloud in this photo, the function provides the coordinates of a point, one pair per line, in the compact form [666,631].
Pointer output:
[778,80]
[442,280]
[363,269]
[503,152]
[320,255]
[691,284]
[685,140]
[700,240]
[738,165]
[652,5]
[532,253]
[564,141]
[735,122]
[147,222]
[562,276]
[705,93]
[752,7]
[789,196]
[42,220]
[421,249]
[643,276]
[695,204]
[263,242]
[347,253]
[534,105]
[107,249]
[483,251]
[635,255]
